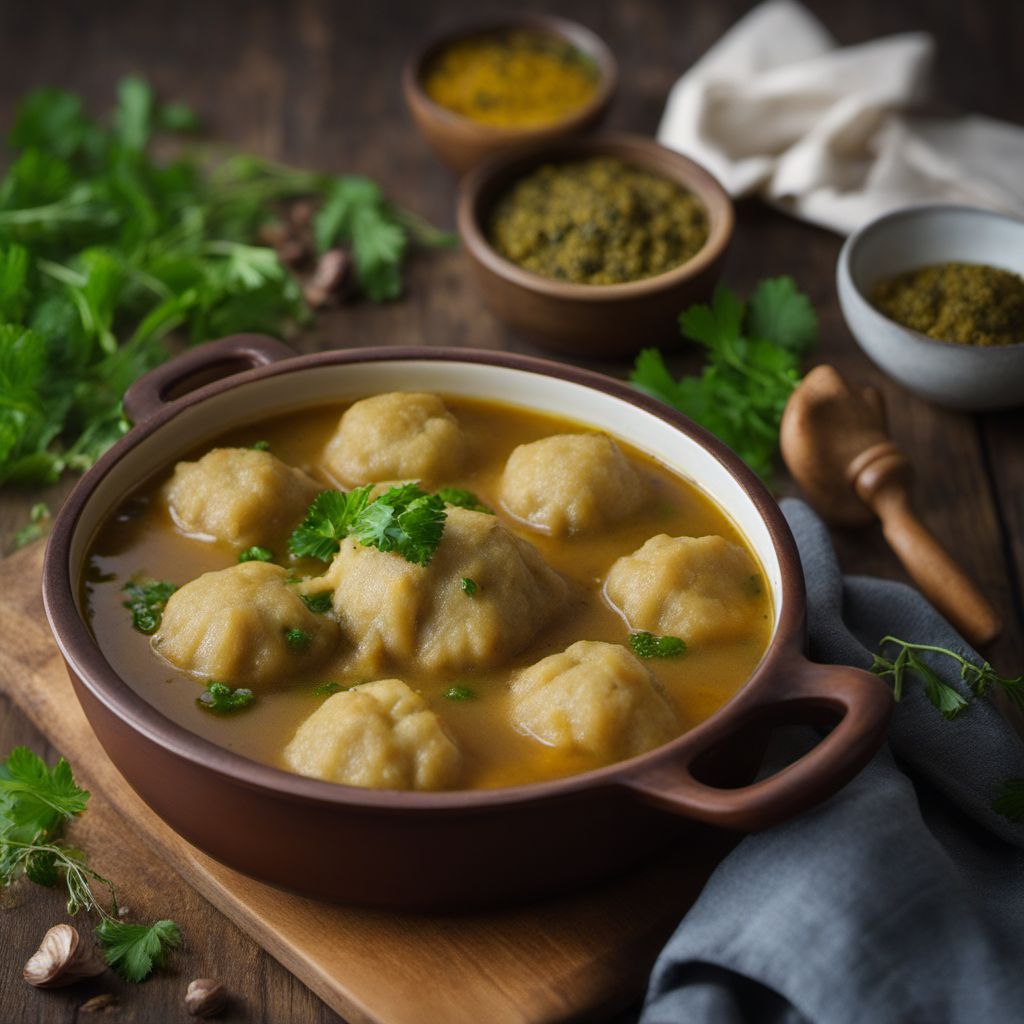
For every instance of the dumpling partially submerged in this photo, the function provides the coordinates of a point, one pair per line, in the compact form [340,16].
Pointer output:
[571,483]
[244,626]
[596,698]
[702,589]
[379,734]
[397,612]
[239,495]
[397,436]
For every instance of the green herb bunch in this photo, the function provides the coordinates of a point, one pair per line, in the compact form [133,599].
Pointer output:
[909,662]
[753,363]
[36,803]
[104,251]
[404,519]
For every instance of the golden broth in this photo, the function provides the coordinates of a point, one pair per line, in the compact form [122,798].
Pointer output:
[140,541]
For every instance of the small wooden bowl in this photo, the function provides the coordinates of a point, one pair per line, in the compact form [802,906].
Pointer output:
[462,143]
[583,319]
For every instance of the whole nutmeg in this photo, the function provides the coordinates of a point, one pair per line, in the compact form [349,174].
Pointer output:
[62,959]
[205,997]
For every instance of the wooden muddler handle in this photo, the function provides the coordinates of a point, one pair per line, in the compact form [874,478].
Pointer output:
[881,476]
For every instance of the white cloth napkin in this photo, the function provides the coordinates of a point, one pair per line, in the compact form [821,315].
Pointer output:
[776,109]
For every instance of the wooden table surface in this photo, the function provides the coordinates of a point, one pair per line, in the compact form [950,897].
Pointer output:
[317,84]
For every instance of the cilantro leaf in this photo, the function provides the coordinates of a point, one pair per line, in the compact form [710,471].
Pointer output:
[320,602]
[256,554]
[36,801]
[356,212]
[458,693]
[328,689]
[221,699]
[783,315]
[948,701]
[328,520]
[146,602]
[752,367]
[34,529]
[469,587]
[715,326]
[135,950]
[133,117]
[649,645]
[463,499]
[298,640]
[404,519]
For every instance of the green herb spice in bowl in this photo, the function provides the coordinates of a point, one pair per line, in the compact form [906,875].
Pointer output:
[934,295]
[969,303]
[594,246]
[598,221]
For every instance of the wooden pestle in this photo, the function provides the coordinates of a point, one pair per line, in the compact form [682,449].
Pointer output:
[835,442]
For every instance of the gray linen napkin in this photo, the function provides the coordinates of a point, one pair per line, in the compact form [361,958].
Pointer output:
[899,900]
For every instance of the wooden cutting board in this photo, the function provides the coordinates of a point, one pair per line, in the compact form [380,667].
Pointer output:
[582,957]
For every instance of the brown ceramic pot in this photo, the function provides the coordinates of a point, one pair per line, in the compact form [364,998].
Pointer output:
[468,848]
[594,320]
[462,143]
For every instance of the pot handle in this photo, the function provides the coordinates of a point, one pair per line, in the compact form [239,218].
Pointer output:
[207,362]
[812,691]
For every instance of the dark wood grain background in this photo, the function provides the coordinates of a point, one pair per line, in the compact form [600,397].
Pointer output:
[317,84]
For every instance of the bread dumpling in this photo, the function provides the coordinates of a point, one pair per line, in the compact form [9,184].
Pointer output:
[571,483]
[380,734]
[239,495]
[397,436]
[397,612]
[595,698]
[701,589]
[244,626]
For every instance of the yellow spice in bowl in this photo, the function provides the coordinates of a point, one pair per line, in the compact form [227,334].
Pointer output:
[516,79]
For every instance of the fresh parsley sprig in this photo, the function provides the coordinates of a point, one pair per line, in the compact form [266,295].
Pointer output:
[36,803]
[256,554]
[753,364]
[328,521]
[404,519]
[949,702]
[980,680]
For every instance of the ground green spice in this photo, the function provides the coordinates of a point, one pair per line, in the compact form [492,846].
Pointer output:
[597,221]
[968,303]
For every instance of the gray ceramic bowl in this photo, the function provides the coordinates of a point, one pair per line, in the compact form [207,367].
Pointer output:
[956,376]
